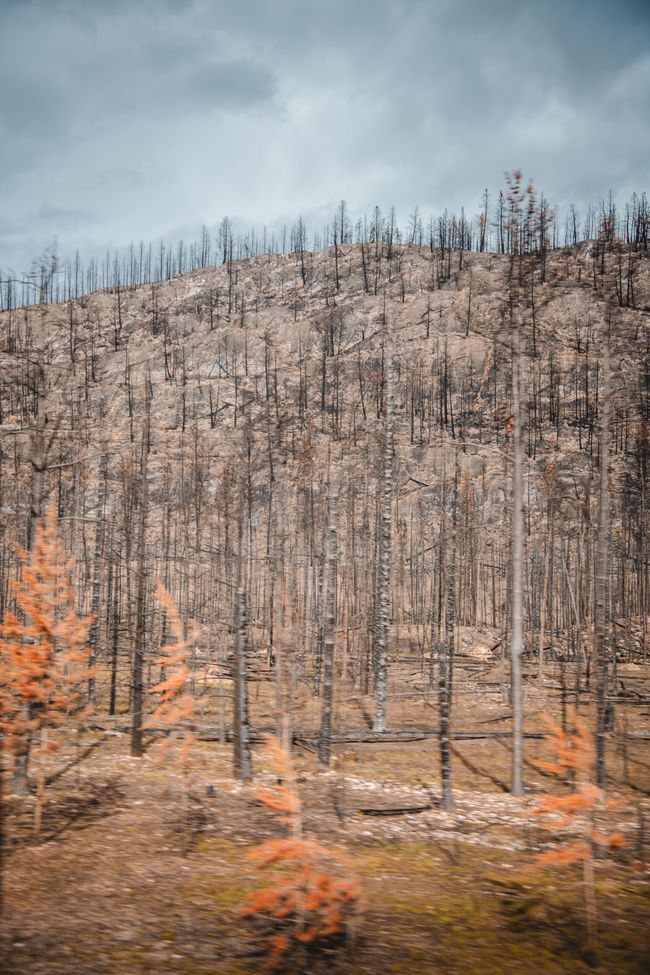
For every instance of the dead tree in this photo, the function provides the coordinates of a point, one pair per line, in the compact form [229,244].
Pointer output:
[517,560]
[93,635]
[40,445]
[602,576]
[445,659]
[139,639]
[324,745]
[385,538]
[241,729]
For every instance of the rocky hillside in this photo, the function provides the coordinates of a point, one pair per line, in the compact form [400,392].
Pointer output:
[220,407]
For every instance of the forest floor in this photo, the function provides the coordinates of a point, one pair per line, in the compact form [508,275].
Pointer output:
[139,870]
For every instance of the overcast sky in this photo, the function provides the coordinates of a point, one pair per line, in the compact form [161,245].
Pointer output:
[121,120]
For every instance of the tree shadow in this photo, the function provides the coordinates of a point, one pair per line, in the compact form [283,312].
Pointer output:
[87,805]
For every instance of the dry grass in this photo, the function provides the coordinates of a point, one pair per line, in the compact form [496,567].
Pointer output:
[128,878]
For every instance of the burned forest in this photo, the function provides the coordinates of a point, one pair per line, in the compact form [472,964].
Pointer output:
[365,526]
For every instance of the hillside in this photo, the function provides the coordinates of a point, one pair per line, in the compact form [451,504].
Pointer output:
[258,387]
[228,433]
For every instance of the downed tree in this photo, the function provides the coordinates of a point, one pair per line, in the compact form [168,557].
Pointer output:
[395,810]
[362,737]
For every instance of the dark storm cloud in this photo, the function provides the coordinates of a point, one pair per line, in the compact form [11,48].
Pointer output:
[146,116]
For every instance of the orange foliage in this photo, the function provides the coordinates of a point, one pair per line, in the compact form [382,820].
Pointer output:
[43,656]
[176,703]
[313,888]
[574,753]
[574,750]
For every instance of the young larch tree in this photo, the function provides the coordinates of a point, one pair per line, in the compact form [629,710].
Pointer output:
[575,754]
[175,702]
[312,893]
[43,653]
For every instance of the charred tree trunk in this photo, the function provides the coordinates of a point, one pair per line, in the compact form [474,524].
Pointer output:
[445,662]
[324,744]
[241,731]
[385,553]
[602,576]
[139,641]
[39,448]
[93,635]
[517,559]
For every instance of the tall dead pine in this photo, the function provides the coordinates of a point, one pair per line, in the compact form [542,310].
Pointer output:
[518,227]
[445,659]
[602,576]
[517,567]
[385,539]
[324,745]
[241,730]
[139,641]
[93,636]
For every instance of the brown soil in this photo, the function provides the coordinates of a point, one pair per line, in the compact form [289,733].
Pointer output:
[128,876]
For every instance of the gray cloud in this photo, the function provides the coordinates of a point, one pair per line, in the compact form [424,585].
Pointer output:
[140,117]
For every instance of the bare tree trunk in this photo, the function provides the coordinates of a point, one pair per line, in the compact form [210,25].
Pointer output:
[544,598]
[445,665]
[324,744]
[602,576]
[39,448]
[115,636]
[96,589]
[320,625]
[517,558]
[139,642]
[385,552]
[241,730]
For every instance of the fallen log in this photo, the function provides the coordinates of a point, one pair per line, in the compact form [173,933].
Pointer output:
[396,810]
[394,737]
[362,736]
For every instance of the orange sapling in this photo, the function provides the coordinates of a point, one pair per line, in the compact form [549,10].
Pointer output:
[313,893]
[176,704]
[574,754]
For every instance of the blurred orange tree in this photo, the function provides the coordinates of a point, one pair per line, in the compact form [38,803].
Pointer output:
[313,895]
[576,812]
[175,703]
[43,653]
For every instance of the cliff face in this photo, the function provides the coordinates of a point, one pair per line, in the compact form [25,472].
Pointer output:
[261,388]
